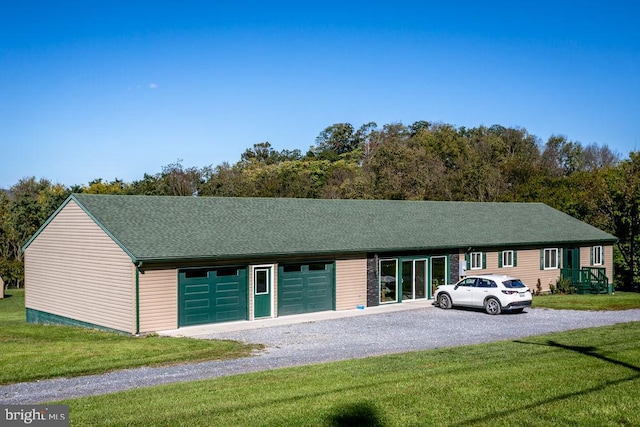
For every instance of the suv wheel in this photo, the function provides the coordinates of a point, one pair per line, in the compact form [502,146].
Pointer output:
[492,306]
[444,301]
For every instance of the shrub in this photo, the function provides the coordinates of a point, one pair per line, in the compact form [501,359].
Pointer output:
[564,286]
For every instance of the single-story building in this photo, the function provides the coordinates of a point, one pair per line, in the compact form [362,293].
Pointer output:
[140,264]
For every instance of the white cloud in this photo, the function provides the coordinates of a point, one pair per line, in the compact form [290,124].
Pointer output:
[153,86]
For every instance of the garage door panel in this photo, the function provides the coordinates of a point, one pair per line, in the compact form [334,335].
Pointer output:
[227,315]
[305,288]
[292,297]
[196,319]
[196,289]
[197,303]
[318,282]
[291,289]
[228,287]
[216,295]
[318,293]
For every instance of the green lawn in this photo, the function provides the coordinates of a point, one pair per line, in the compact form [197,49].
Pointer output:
[617,301]
[587,377]
[31,352]
[584,377]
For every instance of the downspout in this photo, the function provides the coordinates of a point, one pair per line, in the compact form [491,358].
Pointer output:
[138,265]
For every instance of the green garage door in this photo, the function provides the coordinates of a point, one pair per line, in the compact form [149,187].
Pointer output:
[210,295]
[305,288]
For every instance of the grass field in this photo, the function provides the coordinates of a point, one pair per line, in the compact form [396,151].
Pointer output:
[616,301]
[31,352]
[588,377]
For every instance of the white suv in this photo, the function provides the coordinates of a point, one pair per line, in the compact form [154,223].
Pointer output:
[492,292]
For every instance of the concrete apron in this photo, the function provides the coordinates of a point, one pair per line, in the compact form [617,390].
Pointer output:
[241,325]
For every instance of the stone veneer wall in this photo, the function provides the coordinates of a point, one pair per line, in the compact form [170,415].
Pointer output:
[373,290]
[454,268]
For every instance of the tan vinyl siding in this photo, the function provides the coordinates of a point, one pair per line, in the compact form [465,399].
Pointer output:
[585,259]
[527,270]
[351,283]
[608,261]
[158,300]
[585,256]
[73,269]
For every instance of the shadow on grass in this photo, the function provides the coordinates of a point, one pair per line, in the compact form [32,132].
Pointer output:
[585,350]
[357,414]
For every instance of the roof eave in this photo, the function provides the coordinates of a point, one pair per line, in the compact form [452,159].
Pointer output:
[254,255]
[463,247]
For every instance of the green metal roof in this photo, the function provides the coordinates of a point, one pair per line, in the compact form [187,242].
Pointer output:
[156,228]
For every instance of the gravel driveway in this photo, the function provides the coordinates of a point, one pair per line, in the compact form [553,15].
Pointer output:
[329,340]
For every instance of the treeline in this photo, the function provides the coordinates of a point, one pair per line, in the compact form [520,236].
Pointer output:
[422,161]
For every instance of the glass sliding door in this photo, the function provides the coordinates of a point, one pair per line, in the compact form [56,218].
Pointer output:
[411,279]
[420,278]
[414,279]
[388,280]
[438,272]
[407,280]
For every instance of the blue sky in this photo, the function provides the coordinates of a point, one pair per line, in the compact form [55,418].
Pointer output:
[116,89]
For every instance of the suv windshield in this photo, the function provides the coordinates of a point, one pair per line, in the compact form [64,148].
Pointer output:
[513,284]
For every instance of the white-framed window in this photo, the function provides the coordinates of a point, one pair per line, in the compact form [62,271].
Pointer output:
[261,280]
[550,259]
[507,259]
[597,255]
[476,260]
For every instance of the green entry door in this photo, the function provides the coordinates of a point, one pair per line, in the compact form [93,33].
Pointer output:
[211,295]
[262,292]
[571,263]
[305,288]
[571,258]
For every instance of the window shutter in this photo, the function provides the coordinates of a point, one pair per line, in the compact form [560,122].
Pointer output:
[515,258]
[602,255]
[541,259]
[467,260]
[484,260]
[499,259]
[591,252]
